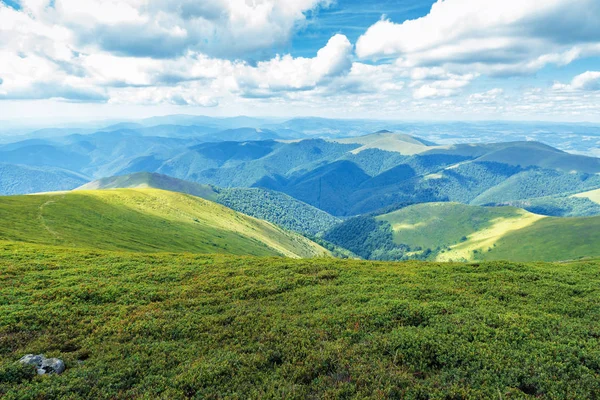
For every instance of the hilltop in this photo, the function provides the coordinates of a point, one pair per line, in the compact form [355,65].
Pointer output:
[154,181]
[177,326]
[388,141]
[275,207]
[145,220]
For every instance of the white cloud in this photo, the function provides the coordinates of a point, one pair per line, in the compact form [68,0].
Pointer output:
[288,73]
[167,28]
[486,97]
[490,36]
[588,81]
[435,83]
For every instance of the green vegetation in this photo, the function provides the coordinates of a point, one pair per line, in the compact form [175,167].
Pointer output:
[536,183]
[560,206]
[367,238]
[132,325]
[17,179]
[144,220]
[550,239]
[593,195]
[457,232]
[277,208]
[434,225]
[153,181]
[416,231]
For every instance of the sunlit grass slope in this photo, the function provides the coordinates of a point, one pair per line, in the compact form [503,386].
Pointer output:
[432,225]
[464,233]
[593,195]
[550,239]
[132,325]
[144,220]
[147,180]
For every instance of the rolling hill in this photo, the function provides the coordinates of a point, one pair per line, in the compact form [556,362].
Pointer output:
[144,220]
[452,231]
[147,180]
[388,141]
[342,176]
[549,239]
[277,208]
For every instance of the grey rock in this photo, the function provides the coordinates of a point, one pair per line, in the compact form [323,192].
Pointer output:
[32,360]
[53,366]
[44,365]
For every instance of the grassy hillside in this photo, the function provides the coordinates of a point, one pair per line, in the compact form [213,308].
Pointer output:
[131,325]
[144,220]
[549,239]
[458,232]
[275,207]
[433,225]
[154,181]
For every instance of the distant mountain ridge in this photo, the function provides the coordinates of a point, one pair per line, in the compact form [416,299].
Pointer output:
[341,176]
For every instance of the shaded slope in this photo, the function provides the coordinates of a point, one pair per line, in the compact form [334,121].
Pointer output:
[144,220]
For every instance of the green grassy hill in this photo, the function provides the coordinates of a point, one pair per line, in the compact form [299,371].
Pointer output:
[433,225]
[147,180]
[464,232]
[144,220]
[275,207]
[458,232]
[163,326]
[549,239]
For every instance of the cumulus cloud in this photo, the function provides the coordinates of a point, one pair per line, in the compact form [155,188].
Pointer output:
[211,53]
[288,73]
[486,97]
[492,36]
[167,28]
[436,83]
[80,48]
[588,81]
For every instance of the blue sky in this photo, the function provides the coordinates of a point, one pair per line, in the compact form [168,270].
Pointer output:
[394,59]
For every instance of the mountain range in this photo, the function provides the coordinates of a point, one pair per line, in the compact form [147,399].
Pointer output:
[315,183]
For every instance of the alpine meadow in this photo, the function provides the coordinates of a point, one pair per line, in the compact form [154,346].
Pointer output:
[313,199]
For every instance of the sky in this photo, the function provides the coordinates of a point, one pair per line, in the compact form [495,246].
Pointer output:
[387,59]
